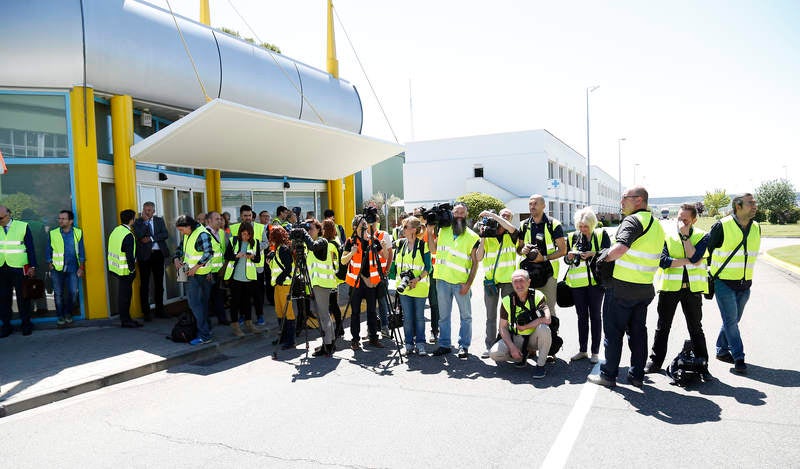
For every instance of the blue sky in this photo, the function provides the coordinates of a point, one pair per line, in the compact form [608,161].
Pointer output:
[705,93]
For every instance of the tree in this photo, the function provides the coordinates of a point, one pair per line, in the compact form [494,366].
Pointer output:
[777,198]
[477,202]
[716,200]
[265,45]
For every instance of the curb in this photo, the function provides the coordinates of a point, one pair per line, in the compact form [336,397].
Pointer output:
[190,355]
[781,264]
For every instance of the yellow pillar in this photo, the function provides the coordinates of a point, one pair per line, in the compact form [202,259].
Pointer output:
[213,180]
[336,198]
[125,170]
[87,200]
[349,198]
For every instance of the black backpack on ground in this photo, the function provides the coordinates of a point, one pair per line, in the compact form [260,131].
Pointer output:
[185,329]
[557,342]
[686,368]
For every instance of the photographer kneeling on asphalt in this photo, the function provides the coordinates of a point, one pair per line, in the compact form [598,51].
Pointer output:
[524,319]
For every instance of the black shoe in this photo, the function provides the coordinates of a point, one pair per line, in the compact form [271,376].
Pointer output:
[27,330]
[355,344]
[463,352]
[725,357]
[652,368]
[131,324]
[441,351]
[635,381]
[706,376]
[551,359]
[740,367]
[322,351]
[288,346]
[376,343]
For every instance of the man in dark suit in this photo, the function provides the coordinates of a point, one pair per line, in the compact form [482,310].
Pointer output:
[151,252]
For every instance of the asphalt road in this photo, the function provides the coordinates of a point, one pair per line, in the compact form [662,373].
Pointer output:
[366,410]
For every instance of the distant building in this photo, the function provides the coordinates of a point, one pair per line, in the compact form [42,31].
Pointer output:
[510,166]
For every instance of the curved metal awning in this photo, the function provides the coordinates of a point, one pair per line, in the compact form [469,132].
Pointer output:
[233,137]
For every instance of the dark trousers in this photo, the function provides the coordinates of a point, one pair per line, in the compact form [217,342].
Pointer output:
[10,280]
[153,267]
[692,306]
[216,302]
[268,285]
[242,293]
[434,303]
[258,294]
[336,312]
[589,308]
[124,294]
[359,293]
[621,315]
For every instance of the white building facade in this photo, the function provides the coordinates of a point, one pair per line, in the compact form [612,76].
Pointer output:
[510,166]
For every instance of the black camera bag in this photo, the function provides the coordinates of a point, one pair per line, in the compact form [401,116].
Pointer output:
[185,330]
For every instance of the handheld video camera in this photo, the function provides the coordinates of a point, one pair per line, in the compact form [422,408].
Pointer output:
[487,227]
[406,277]
[440,215]
[370,214]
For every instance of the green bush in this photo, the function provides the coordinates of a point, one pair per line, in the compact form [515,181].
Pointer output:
[760,217]
[477,202]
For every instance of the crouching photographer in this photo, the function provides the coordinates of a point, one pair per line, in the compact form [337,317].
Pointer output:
[412,264]
[524,319]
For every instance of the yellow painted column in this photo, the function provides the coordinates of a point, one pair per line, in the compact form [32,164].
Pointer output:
[336,198]
[213,179]
[125,170]
[87,201]
[349,198]
[205,12]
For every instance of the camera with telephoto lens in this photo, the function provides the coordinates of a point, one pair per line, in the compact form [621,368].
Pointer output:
[487,227]
[371,214]
[406,277]
[576,258]
[524,317]
[440,215]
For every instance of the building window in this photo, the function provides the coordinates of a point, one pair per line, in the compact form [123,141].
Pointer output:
[551,206]
[33,126]
[561,171]
[478,171]
[571,177]
[551,169]
[105,143]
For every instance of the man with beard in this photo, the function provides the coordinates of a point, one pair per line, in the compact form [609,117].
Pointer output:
[457,260]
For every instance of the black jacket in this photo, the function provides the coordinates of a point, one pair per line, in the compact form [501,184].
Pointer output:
[142,229]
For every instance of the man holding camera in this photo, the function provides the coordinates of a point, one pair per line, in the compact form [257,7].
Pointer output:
[681,279]
[524,319]
[386,242]
[636,254]
[542,243]
[497,249]
[433,301]
[457,260]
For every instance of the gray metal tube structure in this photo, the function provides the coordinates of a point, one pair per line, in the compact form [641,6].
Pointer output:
[133,48]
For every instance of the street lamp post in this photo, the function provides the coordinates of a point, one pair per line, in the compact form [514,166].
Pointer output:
[619,164]
[588,158]
[635,167]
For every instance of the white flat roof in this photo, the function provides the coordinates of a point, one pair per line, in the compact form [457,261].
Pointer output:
[233,137]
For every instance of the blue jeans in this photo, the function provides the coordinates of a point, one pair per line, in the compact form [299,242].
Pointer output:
[731,306]
[445,292]
[198,291]
[620,316]
[65,292]
[413,319]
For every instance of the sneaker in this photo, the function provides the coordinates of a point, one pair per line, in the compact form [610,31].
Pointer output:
[740,367]
[410,350]
[538,372]
[551,359]
[355,344]
[486,354]
[434,338]
[601,380]
[579,356]
[260,321]
[652,368]
[241,321]
[68,319]
[594,358]
[385,332]
[725,357]
[199,341]
[441,351]
[61,322]
[463,352]
[420,349]
[523,363]
[635,381]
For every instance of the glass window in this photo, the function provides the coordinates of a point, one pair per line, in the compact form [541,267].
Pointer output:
[551,170]
[304,200]
[33,126]
[105,143]
[199,202]
[170,214]
[232,200]
[268,201]
[561,171]
[185,203]
[322,204]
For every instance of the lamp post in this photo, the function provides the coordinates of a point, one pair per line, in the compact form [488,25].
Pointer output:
[635,167]
[619,164]
[588,158]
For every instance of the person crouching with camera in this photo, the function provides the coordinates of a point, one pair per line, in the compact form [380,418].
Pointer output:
[322,262]
[363,277]
[524,319]
[281,266]
[411,267]
[583,245]
[243,254]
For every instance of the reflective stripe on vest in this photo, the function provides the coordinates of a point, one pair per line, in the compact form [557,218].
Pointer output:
[276,268]
[453,260]
[354,269]
[406,259]
[57,243]
[512,315]
[505,265]
[671,279]
[323,273]
[191,256]
[117,260]
[640,263]
[549,242]
[258,230]
[578,276]
[217,259]
[741,264]
[249,266]
[12,245]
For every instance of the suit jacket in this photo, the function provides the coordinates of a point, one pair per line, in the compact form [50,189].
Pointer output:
[142,229]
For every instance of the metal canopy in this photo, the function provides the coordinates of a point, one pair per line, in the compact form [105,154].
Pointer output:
[233,137]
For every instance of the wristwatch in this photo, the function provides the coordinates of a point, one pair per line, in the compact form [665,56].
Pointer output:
[683,236]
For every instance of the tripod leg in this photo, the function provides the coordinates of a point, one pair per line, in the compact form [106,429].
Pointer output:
[281,329]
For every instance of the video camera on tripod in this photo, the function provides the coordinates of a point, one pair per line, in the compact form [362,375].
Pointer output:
[439,215]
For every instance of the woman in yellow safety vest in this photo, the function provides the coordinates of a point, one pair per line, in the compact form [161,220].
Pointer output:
[412,264]
[330,233]
[281,267]
[587,294]
[243,254]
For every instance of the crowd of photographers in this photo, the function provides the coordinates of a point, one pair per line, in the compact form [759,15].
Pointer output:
[432,257]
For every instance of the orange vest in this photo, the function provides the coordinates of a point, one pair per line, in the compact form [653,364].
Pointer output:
[354,269]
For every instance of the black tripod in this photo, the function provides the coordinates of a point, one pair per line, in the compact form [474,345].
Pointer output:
[394,312]
[299,292]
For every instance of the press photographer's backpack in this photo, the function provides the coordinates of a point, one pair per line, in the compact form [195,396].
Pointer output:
[686,369]
[557,342]
[185,329]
